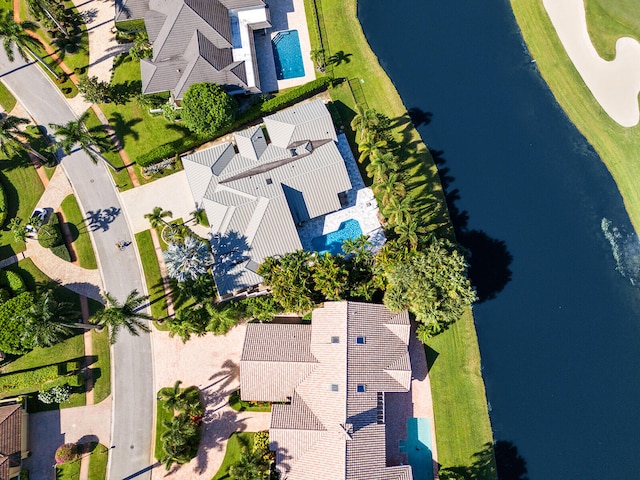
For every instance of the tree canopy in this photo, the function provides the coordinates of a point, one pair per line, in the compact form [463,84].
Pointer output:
[433,285]
[206,107]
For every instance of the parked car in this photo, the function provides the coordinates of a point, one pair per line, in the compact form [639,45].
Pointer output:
[37,219]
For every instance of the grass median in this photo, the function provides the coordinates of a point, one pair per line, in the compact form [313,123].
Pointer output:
[152,275]
[79,233]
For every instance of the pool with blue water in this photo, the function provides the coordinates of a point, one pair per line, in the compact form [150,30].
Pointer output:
[287,55]
[332,242]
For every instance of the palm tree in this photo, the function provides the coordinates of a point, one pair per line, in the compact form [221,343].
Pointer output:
[318,57]
[381,164]
[188,260]
[389,187]
[156,217]
[408,233]
[12,138]
[398,211]
[47,321]
[365,120]
[15,34]
[173,398]
[126,315]
[370,146]
[18,229]
[251,466]
[76,132]
[330,276]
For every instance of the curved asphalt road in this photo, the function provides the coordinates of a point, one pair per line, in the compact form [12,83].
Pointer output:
[132,369]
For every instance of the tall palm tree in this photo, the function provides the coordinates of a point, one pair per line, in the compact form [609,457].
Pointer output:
[126,315]
[173,398]
[251,466]
[76,132]
[408,234]
[12,138]
[156,217]
[381,164]
[370,146]
[16,35]
[365,120]
[389,186]
[318,57]
[398,211]
[47,321]
[330,276]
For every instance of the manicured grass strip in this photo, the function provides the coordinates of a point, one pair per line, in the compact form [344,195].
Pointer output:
[102,366]
[98,461]
[459,398]
[82,240]
[68,471]
[23,189]
[152,274]
[162,413]
[232,453]
[609,20]
[7,100]
[241,406]
[616,145]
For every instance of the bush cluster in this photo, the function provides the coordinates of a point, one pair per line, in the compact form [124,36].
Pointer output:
[66,453]
[57,394]
[12,281]
[49,236]
[270,106]
[3,206]
[31,378]
[12,329]
[62,252]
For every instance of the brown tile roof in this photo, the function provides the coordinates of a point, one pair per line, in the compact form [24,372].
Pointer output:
[10,437]
[331,429]
[4,468]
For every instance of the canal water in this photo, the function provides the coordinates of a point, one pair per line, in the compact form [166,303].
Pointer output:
[560,342]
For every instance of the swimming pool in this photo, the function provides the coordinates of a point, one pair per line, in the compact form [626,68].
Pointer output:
[332,242]
[417,446]
[287,55]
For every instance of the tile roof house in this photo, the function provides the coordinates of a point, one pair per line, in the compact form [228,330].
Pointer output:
[333,374]
[199,41]
[13,438]
[254,196]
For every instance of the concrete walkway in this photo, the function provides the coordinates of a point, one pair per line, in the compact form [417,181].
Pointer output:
[49,430]
[616,84]
[211,363]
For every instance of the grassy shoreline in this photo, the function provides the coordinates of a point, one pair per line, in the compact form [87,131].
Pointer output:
[617,146]
[463,429]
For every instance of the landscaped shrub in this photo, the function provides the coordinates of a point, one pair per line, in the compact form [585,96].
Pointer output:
[261,441]
[4,295]
[49,236]
[206,107]
[270,106]
[131,25]
[29,379]
[3,206]
[76,380]
[66,453]
[62,252]
[11,329]
[13,281]
[57,394]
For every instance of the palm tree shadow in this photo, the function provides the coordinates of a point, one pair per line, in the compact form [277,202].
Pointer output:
[339,58]
[124,127]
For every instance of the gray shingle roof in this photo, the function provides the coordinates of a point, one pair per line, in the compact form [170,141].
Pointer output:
[192,43]
[258,195]
[329,430]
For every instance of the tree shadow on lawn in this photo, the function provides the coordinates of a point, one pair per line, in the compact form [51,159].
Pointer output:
[124,127]
[501,461]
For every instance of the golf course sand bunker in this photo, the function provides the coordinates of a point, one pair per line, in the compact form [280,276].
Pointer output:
[616,84]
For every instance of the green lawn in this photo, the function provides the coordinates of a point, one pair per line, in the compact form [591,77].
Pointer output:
[102,366]
[459,399]
[152,274]
[616,145]
[162,413]
[7,100]
[233,452]
[98,461]
[68,471]
[23,189]
[135,126]
[608,20]
[79,232]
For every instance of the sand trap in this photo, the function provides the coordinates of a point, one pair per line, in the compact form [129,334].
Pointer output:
[615,84]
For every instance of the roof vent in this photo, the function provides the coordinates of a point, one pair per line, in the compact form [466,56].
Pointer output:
[269,181]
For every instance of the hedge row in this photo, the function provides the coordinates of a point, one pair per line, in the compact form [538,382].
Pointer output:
[11,328]
[61,251]
[41,378]
[13,281]
[182,145]
[131,25]
[3,206]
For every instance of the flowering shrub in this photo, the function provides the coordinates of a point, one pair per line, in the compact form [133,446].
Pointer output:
[57,394]
[66,453]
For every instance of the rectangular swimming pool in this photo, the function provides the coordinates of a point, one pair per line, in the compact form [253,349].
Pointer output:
[287,55]
[332,242]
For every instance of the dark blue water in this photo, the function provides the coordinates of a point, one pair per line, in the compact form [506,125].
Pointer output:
[561,343]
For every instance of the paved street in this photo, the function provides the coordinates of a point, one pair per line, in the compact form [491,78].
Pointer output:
[132,382]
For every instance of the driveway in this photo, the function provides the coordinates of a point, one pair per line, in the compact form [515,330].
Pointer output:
[49,430]
[212,363]
[121,272]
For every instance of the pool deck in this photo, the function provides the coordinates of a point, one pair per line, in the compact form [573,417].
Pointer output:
[285,15]
[361,206]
